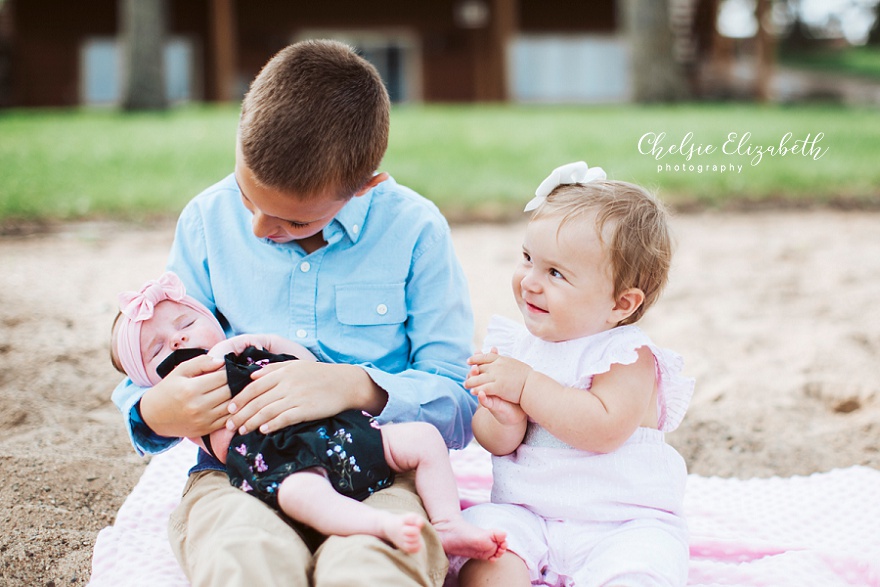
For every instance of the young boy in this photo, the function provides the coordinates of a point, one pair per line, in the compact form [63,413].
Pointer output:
[305,241]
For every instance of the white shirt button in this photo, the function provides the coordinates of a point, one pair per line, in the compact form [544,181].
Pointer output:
[355,228]
[301,333]
[382,309]
[305,266]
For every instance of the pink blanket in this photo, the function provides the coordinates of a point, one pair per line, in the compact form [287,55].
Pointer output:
[822,530]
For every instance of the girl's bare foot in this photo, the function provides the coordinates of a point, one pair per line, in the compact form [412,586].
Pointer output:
[464,539]
[404,532]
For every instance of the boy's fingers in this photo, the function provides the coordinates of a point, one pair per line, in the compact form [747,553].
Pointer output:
[200,366]
[266,419]
[268,369]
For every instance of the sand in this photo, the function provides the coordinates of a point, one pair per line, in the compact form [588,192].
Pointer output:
[775,313]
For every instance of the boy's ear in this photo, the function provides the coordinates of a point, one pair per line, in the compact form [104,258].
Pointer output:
[371,183]
[627,303]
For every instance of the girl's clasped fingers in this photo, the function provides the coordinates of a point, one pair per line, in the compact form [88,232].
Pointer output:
[483,358]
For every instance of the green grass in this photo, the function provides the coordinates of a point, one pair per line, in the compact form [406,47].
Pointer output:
[86,164]
[74,164]
[859,61]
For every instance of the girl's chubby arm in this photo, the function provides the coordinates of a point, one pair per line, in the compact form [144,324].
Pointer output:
[598,420]
[501,428]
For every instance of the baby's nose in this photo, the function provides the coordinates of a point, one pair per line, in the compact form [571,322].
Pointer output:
[179,341]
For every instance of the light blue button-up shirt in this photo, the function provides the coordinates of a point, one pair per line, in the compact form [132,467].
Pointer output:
[386,292]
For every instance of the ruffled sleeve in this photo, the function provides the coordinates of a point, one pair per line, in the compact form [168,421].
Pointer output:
[502,333]
[620,346]
[675,390]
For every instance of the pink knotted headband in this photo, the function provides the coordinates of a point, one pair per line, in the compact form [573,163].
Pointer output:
[137,307]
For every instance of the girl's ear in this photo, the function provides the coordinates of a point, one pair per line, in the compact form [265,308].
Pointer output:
[627,303]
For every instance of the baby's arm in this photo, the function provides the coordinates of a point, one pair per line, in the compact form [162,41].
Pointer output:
[598,420]
[268,342]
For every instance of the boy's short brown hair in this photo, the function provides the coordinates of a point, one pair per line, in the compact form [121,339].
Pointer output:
[633,226]
[315,118]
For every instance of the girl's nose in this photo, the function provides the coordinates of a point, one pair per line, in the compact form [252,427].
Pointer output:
[529,282]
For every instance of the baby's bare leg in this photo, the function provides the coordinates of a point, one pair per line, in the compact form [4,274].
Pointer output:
[308,497]
[418,446]
[219,443]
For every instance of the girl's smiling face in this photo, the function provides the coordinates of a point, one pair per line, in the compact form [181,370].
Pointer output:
[175,326]
[563,283]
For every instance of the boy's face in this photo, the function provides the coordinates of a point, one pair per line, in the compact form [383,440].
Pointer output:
[282,217]
[175,326]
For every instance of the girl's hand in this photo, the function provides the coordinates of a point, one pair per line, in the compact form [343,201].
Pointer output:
[494,375]
[191,401]
[506,413]
[287,393]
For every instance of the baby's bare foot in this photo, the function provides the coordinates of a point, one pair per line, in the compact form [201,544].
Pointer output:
[404,532]
[464,539]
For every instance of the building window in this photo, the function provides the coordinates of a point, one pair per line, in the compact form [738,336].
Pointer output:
[575,68]
[102,71]
[395,55]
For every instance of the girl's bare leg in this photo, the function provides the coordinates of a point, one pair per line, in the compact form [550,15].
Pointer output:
[509,570]
[308,497]
[418,446]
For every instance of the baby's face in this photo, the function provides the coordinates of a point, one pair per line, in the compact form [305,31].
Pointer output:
[563,284]
[175,326]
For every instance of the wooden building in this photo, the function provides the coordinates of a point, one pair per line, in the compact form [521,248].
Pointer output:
[62,53]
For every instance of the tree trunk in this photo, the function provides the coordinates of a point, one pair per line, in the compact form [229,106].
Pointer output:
[143,26]
[656,75]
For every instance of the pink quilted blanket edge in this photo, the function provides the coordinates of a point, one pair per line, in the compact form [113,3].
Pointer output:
[822,529]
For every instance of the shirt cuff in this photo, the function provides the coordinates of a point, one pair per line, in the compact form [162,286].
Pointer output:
[143,438]
[396,409]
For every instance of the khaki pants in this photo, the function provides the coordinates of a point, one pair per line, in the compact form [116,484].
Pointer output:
[223,537]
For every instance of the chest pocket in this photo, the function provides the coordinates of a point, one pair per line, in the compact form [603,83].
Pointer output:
[370,304]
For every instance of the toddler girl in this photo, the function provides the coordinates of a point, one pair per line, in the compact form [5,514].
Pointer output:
[315,472]
[574,405]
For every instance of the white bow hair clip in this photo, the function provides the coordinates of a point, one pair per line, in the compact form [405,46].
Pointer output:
[567,174]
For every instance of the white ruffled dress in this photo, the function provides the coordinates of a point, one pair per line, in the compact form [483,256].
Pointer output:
[644,477]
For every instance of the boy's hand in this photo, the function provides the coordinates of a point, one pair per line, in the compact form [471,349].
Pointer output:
[494,375]
[191,401]
[287,393]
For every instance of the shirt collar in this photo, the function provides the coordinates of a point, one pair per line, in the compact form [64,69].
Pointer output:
[353,215]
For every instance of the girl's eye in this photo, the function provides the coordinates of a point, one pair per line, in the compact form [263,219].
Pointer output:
[555,273]
[526,257]
[190,323]
[297,224]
